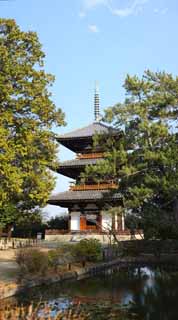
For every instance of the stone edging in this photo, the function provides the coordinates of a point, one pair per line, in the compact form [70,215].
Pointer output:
[12,289]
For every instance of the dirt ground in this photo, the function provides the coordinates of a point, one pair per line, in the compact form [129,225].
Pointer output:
[8,266]
[6,255]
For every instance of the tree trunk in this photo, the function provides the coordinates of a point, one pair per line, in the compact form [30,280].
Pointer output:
[176,210]
[9,231]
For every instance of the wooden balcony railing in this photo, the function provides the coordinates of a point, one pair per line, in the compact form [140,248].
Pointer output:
[90,155]
[99,186]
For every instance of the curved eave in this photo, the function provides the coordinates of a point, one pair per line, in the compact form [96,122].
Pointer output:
[65,199]
[70,172]
[96,127]
[82,138]
[73,168]
[76,144]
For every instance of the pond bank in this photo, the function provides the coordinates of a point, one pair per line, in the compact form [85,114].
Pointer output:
[10,289]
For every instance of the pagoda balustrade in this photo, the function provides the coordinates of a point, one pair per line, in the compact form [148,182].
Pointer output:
[97,186]
[91,155]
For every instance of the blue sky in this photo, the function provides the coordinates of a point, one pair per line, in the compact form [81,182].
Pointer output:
[88,40]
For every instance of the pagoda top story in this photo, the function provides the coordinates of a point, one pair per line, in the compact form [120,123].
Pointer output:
[81,140]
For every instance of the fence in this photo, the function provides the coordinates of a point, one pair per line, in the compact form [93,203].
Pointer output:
[140,247]
[16,243]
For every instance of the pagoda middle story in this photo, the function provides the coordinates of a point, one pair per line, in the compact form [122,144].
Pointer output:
[88,202]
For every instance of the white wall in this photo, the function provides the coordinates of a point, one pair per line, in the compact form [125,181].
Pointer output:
[123,222]
[106,221]
[116,221]
[68,237]
[75,221]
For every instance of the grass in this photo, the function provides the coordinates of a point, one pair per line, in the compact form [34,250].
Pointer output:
[87,311]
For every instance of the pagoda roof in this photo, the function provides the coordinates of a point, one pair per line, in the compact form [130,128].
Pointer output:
[73,168]
[81,139]
[79,162]
[88,131]
[63,198]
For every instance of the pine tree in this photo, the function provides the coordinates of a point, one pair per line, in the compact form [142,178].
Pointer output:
[144,160]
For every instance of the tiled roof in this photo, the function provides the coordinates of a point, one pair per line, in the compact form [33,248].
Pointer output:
[78,162]
[83,195]
[88,131]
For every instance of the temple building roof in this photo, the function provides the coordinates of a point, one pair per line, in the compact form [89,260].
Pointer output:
[62,198]
[78,162]
[88,131]
[73,168]
[80,140]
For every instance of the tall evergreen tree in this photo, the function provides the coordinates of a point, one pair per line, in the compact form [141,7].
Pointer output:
[144,160]
[27,115]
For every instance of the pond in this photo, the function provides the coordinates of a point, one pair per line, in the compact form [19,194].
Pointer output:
[150,294]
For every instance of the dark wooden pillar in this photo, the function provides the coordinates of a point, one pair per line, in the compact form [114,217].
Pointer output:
[113,222]
[100,207]
[69,221]
[83,222]
[82,218]
[119,222]
[99,221]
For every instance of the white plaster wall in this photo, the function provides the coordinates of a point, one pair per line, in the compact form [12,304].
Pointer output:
[123,222]
[106,221]
[75,221]
[75,238]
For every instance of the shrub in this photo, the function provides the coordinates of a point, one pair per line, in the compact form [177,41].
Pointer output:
[60,223]
[61,256]
[88,250]
[32,261]
[53,258]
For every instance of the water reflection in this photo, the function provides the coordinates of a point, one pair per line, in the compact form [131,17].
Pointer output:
[158,300]
[151,294]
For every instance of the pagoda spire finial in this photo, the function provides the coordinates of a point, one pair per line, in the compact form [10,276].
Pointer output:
[96,103]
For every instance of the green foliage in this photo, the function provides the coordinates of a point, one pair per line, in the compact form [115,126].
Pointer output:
[53,258]
[61,256]
[27,115]
[144,157]
[88,250]
[6,213]
[32,261]
[60,223]
[28,224]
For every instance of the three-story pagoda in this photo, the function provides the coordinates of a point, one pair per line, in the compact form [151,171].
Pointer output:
[87,202]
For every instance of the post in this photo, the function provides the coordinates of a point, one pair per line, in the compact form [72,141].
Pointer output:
[123,222]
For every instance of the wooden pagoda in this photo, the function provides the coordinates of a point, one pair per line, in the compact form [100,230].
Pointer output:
[87,202]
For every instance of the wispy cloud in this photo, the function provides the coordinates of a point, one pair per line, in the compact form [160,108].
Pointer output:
[93,28]
[90,4]
[82,14]
[161,11]
[134,7]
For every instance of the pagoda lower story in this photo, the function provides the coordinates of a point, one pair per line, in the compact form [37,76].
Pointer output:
[88,207]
